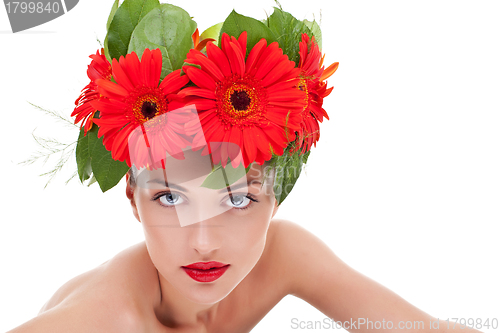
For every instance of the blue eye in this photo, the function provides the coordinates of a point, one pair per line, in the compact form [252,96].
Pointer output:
[238,201]
[171,199]
[241,201]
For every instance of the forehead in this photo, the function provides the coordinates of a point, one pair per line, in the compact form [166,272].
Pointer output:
[198,170]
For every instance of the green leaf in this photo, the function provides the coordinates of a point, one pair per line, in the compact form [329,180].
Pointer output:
[169,28]
[83,156]
[106,170]
[114,8]
[316,31]
[221,177]
[212,32]
[106,50]
[235,24]
[288,31]
[91,181]
[126,18]
[288,169]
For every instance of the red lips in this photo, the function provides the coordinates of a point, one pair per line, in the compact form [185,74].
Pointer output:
[205,271]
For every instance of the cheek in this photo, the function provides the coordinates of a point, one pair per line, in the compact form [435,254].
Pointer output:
[246,235]
[164,238]
[167,247]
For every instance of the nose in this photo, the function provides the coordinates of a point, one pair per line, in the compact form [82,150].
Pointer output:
[205,236]
[201,209]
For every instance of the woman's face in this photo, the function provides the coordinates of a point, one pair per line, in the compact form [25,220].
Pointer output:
[186,223]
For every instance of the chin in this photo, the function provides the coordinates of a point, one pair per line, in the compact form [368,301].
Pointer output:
[209,293]
[212,292]
[206,298]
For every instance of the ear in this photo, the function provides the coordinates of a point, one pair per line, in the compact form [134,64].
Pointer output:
[275,209]
[129,191]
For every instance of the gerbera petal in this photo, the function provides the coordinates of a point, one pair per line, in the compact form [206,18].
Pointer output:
[133,70]
[120,143]
[156,65]
[200,103]
[236,56]
[288,104]
[254,54]
[237,59]
[196,37]
[205,104]
[327,92]
[110,89]
[109,106]
[199,77]
[193,91]
[201,45]
[94,73]
[242,41]
[302,51]
[82,111]
[224,42]
[260,139]
[277,72]
[329,71]
[218,57]
[173,82]
[119,74]
[278,140]
[235,136]
[223,149]
[218,134]
[271,49]
[311,64]
[88,125]
[147,78]
[276,117]
[106,130]
[210,67]
[249,148]
[271,61]
[291,76]
[278,87]
[212,124]
[286,95]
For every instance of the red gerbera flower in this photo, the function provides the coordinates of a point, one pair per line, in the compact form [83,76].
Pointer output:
[99,68]
[312,78]
[253,104]
[136,98]
[149,143]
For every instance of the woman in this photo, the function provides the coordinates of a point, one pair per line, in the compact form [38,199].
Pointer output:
[219,273]
[262,258]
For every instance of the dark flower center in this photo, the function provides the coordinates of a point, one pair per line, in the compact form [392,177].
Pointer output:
[240,100]
[148,109]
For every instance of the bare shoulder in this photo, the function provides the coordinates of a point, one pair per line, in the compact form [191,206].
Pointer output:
[107,298]
[312,272]
[124,271]
[299,253]
[288,238]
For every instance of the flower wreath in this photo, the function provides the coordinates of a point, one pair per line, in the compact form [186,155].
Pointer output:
[255,84]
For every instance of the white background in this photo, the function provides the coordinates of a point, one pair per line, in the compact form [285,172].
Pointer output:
[404,184]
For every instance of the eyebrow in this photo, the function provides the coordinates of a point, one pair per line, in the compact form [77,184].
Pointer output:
[180,188]
[240,185]
[167,184]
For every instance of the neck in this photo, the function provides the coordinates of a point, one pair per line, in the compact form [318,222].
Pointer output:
[177,311]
